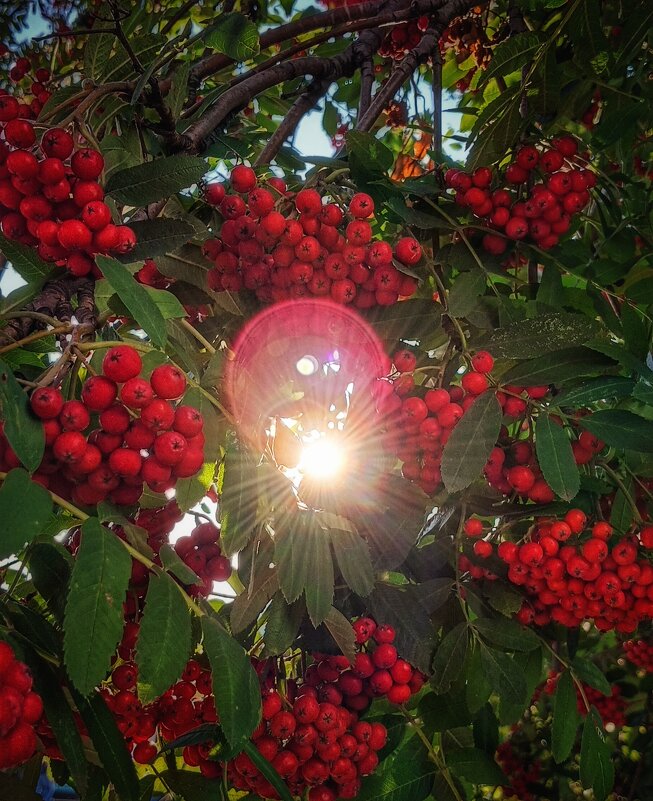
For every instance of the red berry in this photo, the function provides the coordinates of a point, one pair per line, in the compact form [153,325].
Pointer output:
[46,402]
[169,447]
[87,164]
[136,393]
[168,381]
[74,235]
[243,179]
[188,421]
[361,206]
[122,363]
[408,250]
[158,415]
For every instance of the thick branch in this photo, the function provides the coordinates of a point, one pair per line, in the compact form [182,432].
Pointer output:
[304,103]
[367,81]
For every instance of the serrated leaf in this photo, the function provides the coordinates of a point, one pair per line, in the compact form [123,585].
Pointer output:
[554,368]
[93,621]
[596,768]
[466,290]
[542,334]
[565,718]
[319,583]
[556,458]
[505,675]
[419,219]
[495,140]
[178,89]
[136,298]
[238,501]
[50,565]
[25,261]
[342,632]
[158,237]
[25,507]
[504,599]
[589,673]
[97,50]
[506,633]
[622,512]
[512,54]
[110,743]
[176,566]
[249,604]
[235,36]
[486,729]
[190,491]
[643,391]
[596,390]
[22,429]
[155,180]
[353,558]
[164,640]
[450,658]
[407,775]
[621,429]
[370,150]
[475,766]
[235,685]
[282,624]
[414,318]
[471,442]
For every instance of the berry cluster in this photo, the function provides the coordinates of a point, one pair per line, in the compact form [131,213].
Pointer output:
[281,247]
[640,653]
[535,198]
[202,553]
[141,437]
[521,773]
[20,710]
[571,573]
[50,197]
[24,71]
[611,708]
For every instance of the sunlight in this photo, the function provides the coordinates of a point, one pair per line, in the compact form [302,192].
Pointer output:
[322,459]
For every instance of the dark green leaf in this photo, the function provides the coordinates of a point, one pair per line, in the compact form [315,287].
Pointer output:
[267,770]
[94,618]
[410,319]
[97,49]
[155,180]
[249,604]
[486,729]
[644,391]
[178,89]
[542,334]
[25,507]
[414,217]
[589,673]
[556,458]
[282,624]
[477,687]
[450,658]
[621,429]
[342,632]
[238,501]
[505,675]
[470,443]
[622,512]
[174,565]
[565,718]
[319,583]
[191,786]
[475,766]
[467,288]
[22,429]
[25,261]
[158,236]
[50,566]
[110,743]
[235,36]
[136,298]
[504,599]
[557,367]
[596,768]
[235,685]
[164,640]
[595,390]
[369,150]
[405,776]
[512,54]
[506,633]
[353,558]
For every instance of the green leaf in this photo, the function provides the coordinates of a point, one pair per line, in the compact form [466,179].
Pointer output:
[621,429]
[22,429]
[190,491]
[235,685]
[643,392]
[415,318]
[622,512]
[319,583]
[475,766]
[470,443]
[155,180]
[164,640]
[565,718]
[50,565]
[557,367]
[110,743]
[282,624]
[412,216]
[353,558]
[235,36]
[238,490]
[506,633]
[497,137]
[543,334]
[94,618]
[157,237]
[450,658]
[342,632]
[25,507]
[405,776]
[477,687]
[512,54]
[589,673]
[505,675]
[25,261]
[373,153]
[595,390]
[176,566]
[556,458]
[97,49]
[136,298]
[247,606]
[504,599]
[486,729]
[178,89]
[596,768]
[190,786]
[267,770]
[467,288]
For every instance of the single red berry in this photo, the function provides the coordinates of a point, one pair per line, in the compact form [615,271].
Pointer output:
[188,421]
[74,416]
[46,402]
[69,447]
[87,164]
[158,415]
[168,381]
[243,179]
[136,393]
[482,362]
[483,549]
[122,363]
[408,250]
[361,206]
[98,393]
[169,447]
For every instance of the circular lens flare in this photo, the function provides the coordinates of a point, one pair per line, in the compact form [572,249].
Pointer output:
[321,459]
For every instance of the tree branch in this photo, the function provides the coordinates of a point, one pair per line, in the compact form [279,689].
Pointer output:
[304,103]
[367,80]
